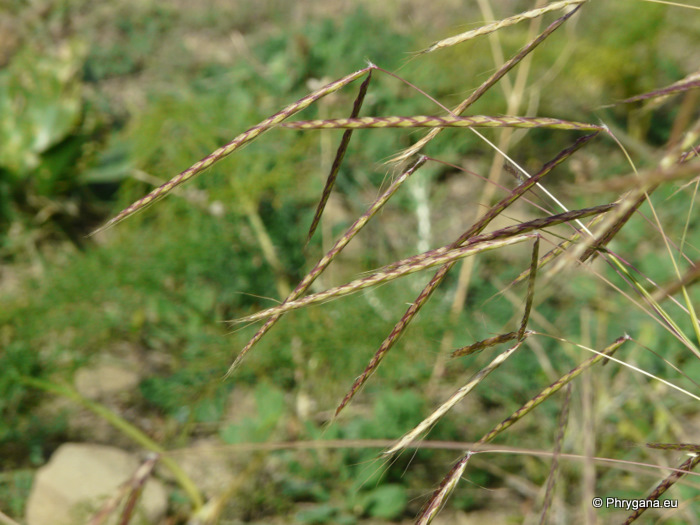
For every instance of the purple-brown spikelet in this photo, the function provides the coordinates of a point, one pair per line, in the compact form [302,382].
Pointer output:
[339,155]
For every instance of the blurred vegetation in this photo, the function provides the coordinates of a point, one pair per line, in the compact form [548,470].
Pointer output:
[99,102]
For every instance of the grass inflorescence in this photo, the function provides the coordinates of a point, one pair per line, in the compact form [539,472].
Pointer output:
[574,253]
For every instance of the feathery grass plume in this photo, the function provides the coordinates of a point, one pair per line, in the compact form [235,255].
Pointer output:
[404,267]
[426,121]
[477,228]
[487,84]
[237,143]
[428,422]
[328,257]
[439,497]
[549,492]
[339,155]
[495,26]
[662,487]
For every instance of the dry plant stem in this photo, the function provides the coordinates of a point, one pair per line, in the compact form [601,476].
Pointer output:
[483,88]
[440,496]
[427,121]
[662,487]
[237,143]
[513,93]
[326,259]
[405,267]
[440,275]
[552,389]
[133,487]
[137,485]
[563,419]
[340,154]
[495,26]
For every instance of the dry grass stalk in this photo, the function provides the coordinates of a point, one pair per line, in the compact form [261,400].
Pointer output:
[486,85]
[237,143]
[510,231]
[424,121]
[690,82]
[440,496]
[131,489]
[500,24]
[428,422]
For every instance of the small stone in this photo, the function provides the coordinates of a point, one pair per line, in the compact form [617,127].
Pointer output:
[79,478]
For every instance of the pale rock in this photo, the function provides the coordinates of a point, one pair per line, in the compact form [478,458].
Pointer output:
[79,478]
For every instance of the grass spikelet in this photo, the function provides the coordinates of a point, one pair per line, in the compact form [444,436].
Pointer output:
[237,143]
[443,492]
[338,160]
[477,228]
[477,347]
[500,24]
[423,121]
[328,257]
[486,85]
[530,288]
[688,447]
